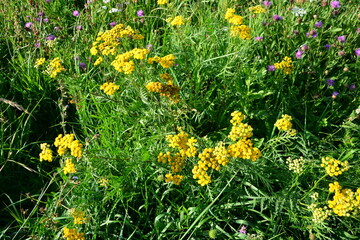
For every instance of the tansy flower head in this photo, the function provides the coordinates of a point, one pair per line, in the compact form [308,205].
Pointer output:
[177,21]
[39,62]
[284,124]
[257,9]
[69,167]
[334,167]
[46,153]
[109,88]
[73,234]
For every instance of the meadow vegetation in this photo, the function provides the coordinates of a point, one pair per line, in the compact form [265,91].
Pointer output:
[179,119]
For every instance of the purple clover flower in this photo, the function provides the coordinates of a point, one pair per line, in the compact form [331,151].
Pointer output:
[304,47]
[28,24]
[242,230]
[352,86]
[82,65]
[341,39]
[37,45]
[149,47]
[271,68]
[358,31]
[47,1]
[327,46]
[330,82]
[318,24]
[357,52]
[41,14]
[335,4]
[296,32]
[312,34]
[50,37]
[299,54]
[267,3]
[75,13]
[277,18]
[46,20]
[140,13]
[79,27]
[341,53]
[112,24]
[259,39]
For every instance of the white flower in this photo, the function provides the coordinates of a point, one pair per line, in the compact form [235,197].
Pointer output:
[114,10]
[298,11]
[104,7]
[106,1]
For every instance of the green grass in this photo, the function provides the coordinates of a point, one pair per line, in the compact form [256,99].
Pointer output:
[123,134]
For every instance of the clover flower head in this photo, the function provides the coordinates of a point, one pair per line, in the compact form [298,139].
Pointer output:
[330,82]
[357,52]
[259,39]
[327,46]
[50,37]
[341,39]
[299,54]
[335,4]
[312,34]
[277,18]
[271,68]
[140,13]
[75,13]
[28,24]
[318,24]
[267,3]
[242,230]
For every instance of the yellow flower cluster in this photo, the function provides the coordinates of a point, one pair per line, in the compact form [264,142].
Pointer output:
[182,142]
[67,141]
[284,124]
[122,62]
[107,42]
[345,202]
[241,31]
[166,77]
[72,234]
[233,18]
[176,179]
[334,167]
[257,9]
[39,62]
[186,147]
[78,215]
[237,30]
[161,2]
[69,167]
[242,132]
[176,21]
[321,214]
[210,158]
[286,65]
[239,129]
[244,149]
[55,67]
[165,62]
[296,165]
[98,61]
[165,90]
[109,88]
[46,153]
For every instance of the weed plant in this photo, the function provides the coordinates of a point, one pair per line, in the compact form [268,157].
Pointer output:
[173,119]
